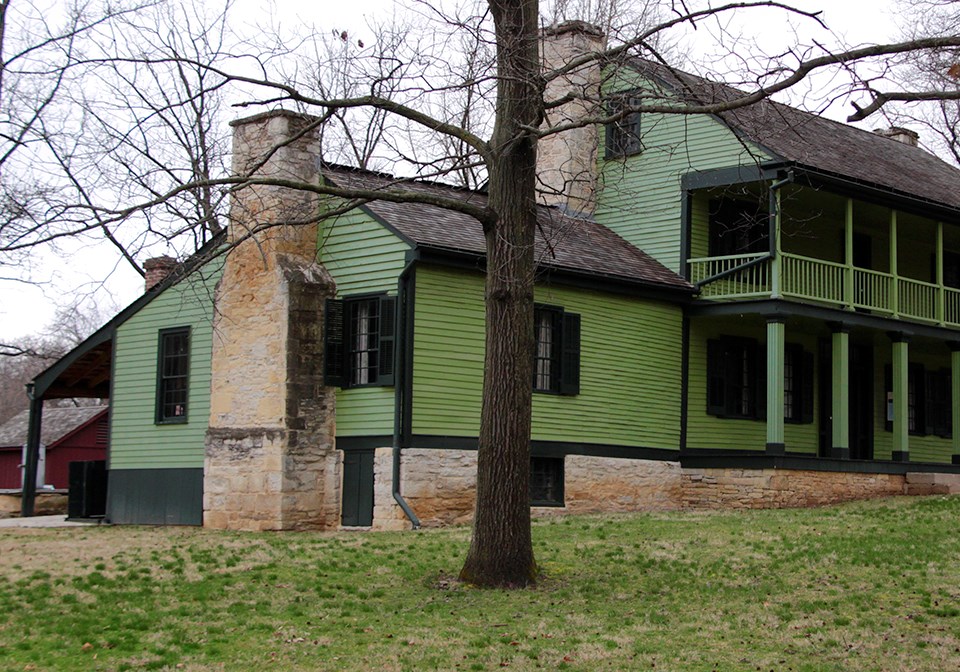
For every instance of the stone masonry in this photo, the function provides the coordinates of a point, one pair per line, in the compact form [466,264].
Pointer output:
[566,161]
[269,456]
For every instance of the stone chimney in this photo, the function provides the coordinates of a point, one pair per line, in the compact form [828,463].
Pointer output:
[904,135]
[269,461]
[155,270]
[567,161]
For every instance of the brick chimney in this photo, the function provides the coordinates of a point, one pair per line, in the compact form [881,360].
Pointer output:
[155,270]
[904,135]
[567,161]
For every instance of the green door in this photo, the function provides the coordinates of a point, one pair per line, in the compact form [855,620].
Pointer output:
[357,505]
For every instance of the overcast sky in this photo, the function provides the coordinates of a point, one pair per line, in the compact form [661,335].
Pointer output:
[80,270]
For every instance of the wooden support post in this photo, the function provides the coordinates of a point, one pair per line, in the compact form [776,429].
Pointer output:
[776,263]
[840,446]
[28,494]
[775,354]
[848,256]
[895,279]
[939,261]
[901,405]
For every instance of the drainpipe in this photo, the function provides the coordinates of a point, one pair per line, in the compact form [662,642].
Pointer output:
[399,396]
[29,493]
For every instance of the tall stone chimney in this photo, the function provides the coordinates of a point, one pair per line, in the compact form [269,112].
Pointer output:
[269,459]
[904,135]
[567,161]
[155,270]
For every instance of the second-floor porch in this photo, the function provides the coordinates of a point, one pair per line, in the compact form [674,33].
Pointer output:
[823,248]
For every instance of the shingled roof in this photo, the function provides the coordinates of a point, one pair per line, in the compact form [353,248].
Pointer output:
[563,242]
[57,423]
[822,144]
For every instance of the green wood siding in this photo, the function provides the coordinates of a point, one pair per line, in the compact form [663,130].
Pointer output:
[926,448]
[640,196]
[136,442]
[363,257]
[629,372]
[710,431]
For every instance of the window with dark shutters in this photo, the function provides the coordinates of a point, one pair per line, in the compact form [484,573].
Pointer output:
[556,357]
[360,341]
[737,380]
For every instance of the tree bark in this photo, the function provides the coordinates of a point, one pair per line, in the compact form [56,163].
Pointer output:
[501,550]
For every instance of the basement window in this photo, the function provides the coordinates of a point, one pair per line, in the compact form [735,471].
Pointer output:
[173,369]
[546,481]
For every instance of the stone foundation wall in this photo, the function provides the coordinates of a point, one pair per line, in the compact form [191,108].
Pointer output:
[781,488]
[440,486]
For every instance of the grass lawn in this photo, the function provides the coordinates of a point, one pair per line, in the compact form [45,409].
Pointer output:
[866,586]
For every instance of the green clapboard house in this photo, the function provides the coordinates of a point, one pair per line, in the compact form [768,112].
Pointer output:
[755,308]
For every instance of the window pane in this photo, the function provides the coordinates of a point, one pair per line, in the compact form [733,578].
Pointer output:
[174,364]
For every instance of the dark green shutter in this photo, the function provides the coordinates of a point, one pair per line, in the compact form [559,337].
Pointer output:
[716,380]
[917,378]
[570,354]
[806,381]
[388,330]
[760,375]
[334,356]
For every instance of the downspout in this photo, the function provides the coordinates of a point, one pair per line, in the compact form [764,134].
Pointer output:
[400,397]
[29,493]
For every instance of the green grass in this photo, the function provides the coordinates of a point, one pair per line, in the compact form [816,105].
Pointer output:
[869,586]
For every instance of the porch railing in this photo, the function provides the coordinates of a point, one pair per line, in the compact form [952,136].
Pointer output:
[737,276]
[751,276]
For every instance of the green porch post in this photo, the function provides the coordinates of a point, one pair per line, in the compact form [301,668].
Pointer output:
[901,406]
[848,256]
[895,280]
[840,446]
[776,263]
[775,347]
[939,263]
[955,400]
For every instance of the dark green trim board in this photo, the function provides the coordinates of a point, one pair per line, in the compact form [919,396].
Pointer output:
[350,443]
[684,379]
[549,448]
[725,459]
[686,232]
[155,497]
[768,308]
[723,177]
[900,456]
[405,386]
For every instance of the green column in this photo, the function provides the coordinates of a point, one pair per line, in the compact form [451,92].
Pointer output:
[955,399]
[848,256]
[776,263]
[775,339]
[841,394]
[901,408]
[895,281]
[939,269]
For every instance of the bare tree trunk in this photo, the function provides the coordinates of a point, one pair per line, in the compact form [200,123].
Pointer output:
[501,551]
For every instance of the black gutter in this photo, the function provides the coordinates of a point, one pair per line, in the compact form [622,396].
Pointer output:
[404,382]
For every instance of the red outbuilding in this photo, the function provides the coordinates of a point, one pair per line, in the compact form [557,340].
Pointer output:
[69,434]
